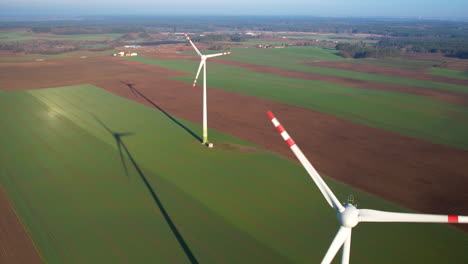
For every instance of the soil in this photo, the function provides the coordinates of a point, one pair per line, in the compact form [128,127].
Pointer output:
[414,173]
[15,244]
[390,71]
[7,53]
[450,97]
[448,62]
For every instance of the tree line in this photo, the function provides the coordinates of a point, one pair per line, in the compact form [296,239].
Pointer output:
[385,27]
[392,47]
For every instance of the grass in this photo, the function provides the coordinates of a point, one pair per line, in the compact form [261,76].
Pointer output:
[63,173]
[450,73]
[339,37]
[294,58]
[407,114]
[32,57]
[398,63]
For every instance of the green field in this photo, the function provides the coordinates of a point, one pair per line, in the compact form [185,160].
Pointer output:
[450,73]
[398,63]
[65,177]
[294,58]
[33,57]
[8,36]
[407,114]
[326,37]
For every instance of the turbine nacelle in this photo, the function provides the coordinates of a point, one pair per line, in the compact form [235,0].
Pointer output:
[349,217]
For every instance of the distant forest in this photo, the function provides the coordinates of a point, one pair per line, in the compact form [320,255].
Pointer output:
[392,47]
[394,35]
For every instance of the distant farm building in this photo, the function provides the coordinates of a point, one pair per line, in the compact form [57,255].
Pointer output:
[132,46]
[125,54]
[271,46]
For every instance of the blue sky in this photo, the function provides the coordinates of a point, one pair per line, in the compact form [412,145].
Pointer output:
[346,8]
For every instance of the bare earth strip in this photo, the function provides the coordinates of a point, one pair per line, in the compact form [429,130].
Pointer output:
[16,246]
[414,173]
[446,96]
[390,71]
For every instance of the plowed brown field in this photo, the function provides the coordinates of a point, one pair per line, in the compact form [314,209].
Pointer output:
[16,246]
[414,173]
[450,97]
[447,96]
[390,71]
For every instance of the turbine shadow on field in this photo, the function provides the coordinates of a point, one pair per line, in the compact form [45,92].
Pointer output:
[136,92]
[121,145]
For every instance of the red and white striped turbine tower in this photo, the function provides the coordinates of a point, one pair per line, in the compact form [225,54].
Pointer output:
[348,215]
[203,64]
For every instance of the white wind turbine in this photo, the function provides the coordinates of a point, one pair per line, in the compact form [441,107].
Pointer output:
[203,64]
[348,215]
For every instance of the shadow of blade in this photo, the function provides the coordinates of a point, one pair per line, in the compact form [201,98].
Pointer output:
[117,141]
[168,219]
[135,90]
[121,145]
[122,159]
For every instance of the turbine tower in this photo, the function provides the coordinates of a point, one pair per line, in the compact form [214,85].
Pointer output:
[348,215]
[203,64]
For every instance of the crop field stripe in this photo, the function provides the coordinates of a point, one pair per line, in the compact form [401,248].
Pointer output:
[111,108]
[76,206]
[109,203]
[232,235]
[357,247]
[42,223]
[417,131]
[266,184]
[261,169]
[83,99]
[288,59]
[379,244]
[37,215]
[363,96]
[262,205]
[372,122]
[450,73]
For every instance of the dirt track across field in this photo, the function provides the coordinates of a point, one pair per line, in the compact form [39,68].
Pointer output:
[16,246]
[414,173]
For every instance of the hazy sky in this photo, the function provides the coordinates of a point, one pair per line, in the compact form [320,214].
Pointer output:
[368,8]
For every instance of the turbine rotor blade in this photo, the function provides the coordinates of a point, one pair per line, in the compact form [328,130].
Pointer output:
[326,192]
[218,54]
[343,234]
[346,249]
[368,215]
[193,45]
[202,63]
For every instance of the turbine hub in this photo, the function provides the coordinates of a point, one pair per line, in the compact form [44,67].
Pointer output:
[349,217]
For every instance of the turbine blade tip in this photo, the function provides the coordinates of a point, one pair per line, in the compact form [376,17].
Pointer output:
[270,115]
[453,218]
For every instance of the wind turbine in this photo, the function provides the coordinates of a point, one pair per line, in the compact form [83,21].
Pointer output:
[348,215]
[203,64]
